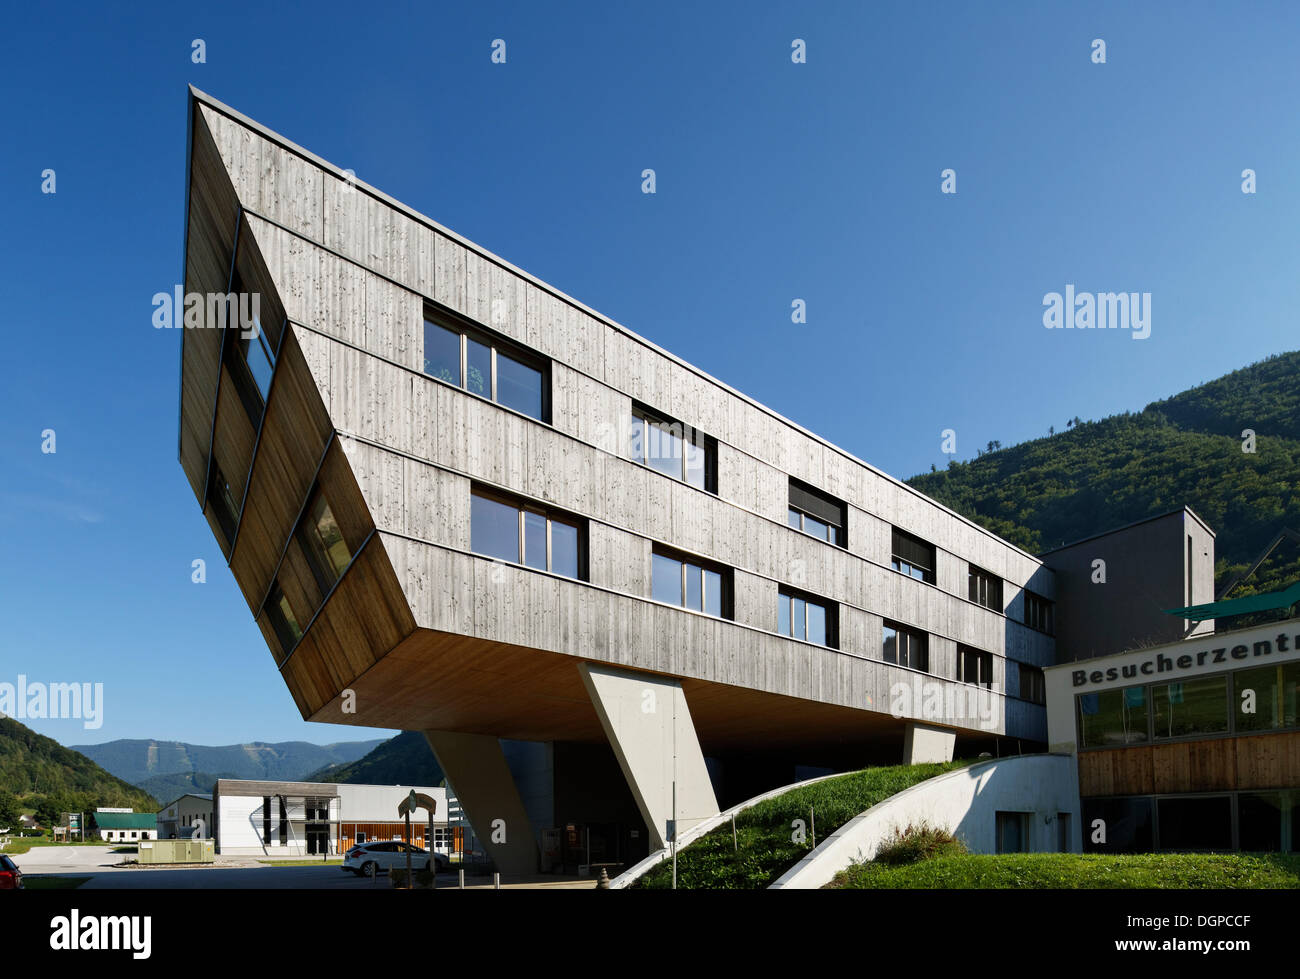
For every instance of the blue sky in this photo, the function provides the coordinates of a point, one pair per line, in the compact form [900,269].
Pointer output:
[776,181]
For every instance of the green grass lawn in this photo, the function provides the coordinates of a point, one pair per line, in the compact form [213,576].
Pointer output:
[53,883]
[24,844]
[1082,871]
[766,848]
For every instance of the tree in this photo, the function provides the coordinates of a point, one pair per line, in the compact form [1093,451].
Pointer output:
[1051,430]
[9,810]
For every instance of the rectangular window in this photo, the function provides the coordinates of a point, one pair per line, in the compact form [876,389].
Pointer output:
[1199,823]
[690,583]
[673,448]
[1113,718]
[985,588]
[1033,684]
[322,541]
[811,619]
[1013,832]
[266,820]
[1063,841]
[221,497]
[817,514]
[906,647]
[1266,822]
[912,556]
[524,533]
[1039,613]
[974,666]
[1265,698]
[486,366]
[250,351]
[283,622]
[1191,707]
[1128,821]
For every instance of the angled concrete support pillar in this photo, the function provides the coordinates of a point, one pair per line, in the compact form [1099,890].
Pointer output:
[649,727]
[926,743]
[477,771]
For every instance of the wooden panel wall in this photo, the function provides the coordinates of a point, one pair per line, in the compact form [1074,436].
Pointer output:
[1262,761]
[294,435]
[213,212]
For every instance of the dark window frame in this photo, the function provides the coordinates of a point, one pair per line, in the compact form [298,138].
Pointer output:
[552,514]
[904,559]
[807,502]
[1038,683]
[317,557]
[469,330]
[831,608]
[984,588]
[1040,613]
[921,637]
[983,662]
[288,631]
[688,434]
[726,575]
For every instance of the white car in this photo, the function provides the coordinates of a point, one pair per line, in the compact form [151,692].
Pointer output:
[369,859]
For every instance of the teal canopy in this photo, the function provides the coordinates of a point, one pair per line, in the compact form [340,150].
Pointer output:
[1268,602]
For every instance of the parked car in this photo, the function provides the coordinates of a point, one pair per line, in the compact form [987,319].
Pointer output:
[11,878]
[368,859]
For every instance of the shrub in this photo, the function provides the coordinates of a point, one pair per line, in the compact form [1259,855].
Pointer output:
[917,843]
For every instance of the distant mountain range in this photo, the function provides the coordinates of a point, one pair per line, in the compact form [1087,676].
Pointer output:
[44,775]
[172,768]
[404,760]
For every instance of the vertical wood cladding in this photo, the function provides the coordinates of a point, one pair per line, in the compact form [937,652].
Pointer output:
[354,274]
[1261,761]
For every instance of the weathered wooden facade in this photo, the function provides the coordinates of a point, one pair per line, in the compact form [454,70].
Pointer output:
[381,608]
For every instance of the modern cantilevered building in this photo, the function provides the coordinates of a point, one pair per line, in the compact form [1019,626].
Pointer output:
[458,501]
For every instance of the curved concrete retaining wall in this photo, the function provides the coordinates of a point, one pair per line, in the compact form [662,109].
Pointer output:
[688,836]
[965,803]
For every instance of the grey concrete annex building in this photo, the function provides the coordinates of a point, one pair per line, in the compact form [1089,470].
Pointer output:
[459,501]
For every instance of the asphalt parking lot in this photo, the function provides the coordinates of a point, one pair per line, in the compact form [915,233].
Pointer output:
[103,866]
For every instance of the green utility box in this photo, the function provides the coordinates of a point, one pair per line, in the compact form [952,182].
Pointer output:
[177,851]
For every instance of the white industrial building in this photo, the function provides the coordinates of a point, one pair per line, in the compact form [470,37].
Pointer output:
[188,817]
[320,818]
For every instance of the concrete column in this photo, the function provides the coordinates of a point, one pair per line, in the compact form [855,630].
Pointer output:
[476,769]
[649,727]
[924,743]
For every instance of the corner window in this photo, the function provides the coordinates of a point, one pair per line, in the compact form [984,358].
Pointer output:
[811,619]
[221,497]
[283,622]
[674,449]
[974,666]
[250,348]
[1039,613]
[905,647]
[817,514]
[524,533]
[985,588]
[912,556]
[485,366]
[322,541]
[690,583]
